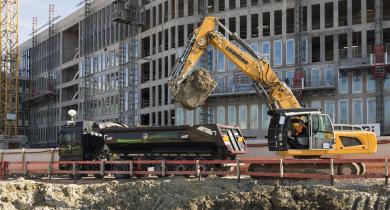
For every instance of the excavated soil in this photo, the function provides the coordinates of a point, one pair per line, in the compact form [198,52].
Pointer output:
[180,193]
[195,89]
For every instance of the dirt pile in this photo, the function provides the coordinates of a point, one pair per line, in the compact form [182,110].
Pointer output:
[195,89]
[179,193]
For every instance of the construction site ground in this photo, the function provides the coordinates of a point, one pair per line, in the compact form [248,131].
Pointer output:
[184,193]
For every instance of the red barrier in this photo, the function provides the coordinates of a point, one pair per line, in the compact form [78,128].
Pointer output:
[374,168]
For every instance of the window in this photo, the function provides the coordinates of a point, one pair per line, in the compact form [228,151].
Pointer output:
[316,49]
[371,110]
[356,12]
[277,52]
[180,35]
[357,109]
[230,85]
[329,109]
[315,17]
[329,77]
[243,27]
[278,22]
[190,7]
[243,3]
[343,11]
[343,112]
[220,62]
[387,112]
[266,50]
[198,115]
[232,4]
[173,9]
[266,24]
[221,114]
[254,46]
[189,117]
[315,104]
[232,115]
[179,116]
[254,117]
[371,84]
[304,50]
[255,2]
[357,82]
[290,15]
[343,82]
[315,77]
[265,117]
[329,15]
[232,24]
[221,5]
[290,51]
[220,85]
[370,11]
[329,50]
[255,25]
[387,81]
[180,8]
[242,116]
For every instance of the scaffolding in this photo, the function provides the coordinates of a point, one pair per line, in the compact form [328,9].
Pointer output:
[205,114]
[87,37]
[51,111]
[9,72]
[128,13]
[379,80]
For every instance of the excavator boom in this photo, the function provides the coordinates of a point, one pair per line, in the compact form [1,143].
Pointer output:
[192,87]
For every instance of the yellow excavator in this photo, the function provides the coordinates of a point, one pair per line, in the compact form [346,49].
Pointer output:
[293,131]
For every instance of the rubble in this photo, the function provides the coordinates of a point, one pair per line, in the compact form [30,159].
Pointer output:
[179,193]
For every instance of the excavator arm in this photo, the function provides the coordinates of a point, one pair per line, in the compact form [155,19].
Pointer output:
[192,87]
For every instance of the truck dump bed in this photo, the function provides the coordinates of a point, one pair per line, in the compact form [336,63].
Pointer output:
[211,140]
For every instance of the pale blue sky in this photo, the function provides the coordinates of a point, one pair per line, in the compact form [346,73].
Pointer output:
[40,9]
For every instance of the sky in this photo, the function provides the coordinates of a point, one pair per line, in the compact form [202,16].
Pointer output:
[40,9]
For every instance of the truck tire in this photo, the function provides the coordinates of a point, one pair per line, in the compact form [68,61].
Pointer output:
[118,167]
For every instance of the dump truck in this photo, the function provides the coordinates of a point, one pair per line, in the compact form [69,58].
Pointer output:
[88,140]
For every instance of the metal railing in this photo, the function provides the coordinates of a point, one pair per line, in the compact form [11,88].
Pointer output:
[374,168]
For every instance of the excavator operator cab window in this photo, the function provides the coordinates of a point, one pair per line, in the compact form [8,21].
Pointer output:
[322,132]
[297,132]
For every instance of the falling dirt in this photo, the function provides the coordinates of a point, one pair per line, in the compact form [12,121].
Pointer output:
[179,193]
[195,89]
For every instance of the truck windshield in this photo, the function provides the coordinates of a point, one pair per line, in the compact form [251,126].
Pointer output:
[70,143]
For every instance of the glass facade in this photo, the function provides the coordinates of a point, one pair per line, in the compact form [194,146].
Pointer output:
[371,110]
[265,117]
[266,50]
[290,51]
[221,115]
[357,82]
[343,82]
[357,109]
[232,115]
[277,52]
[343,112]
[243,116]
[254,117]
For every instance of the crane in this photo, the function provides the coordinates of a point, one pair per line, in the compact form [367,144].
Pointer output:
[293,130]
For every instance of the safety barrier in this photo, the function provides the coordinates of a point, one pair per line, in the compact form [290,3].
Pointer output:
[374,168]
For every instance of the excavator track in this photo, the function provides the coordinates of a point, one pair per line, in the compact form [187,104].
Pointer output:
[310,168]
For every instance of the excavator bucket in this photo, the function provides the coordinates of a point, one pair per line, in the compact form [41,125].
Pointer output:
[194,90]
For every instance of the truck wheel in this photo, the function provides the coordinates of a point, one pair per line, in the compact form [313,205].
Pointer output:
[121,168]
[77,177]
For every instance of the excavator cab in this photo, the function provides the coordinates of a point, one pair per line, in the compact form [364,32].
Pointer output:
[300,129]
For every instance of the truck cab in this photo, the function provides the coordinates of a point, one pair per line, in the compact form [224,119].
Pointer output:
[74,136]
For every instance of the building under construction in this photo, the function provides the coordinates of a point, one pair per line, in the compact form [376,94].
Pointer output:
[111,61]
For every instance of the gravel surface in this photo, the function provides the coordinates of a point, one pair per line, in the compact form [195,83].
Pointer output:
[180,193]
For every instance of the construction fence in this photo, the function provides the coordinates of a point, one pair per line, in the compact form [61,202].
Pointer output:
[374,168]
